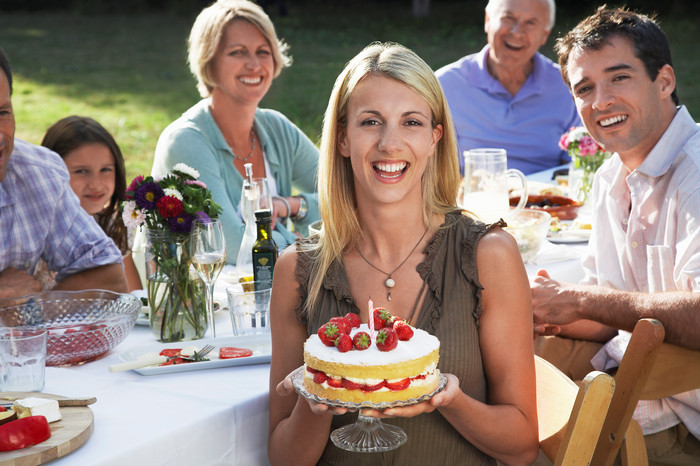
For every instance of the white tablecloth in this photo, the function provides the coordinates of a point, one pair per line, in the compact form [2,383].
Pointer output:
[204,417]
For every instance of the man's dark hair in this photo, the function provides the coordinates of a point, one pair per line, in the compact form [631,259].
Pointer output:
[649,41]
[6,68]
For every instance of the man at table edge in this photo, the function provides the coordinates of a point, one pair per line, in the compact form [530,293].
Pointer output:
[646,208]
[40,217]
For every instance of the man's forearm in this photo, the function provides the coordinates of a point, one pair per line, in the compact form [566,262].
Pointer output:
[679,312]
[107,277]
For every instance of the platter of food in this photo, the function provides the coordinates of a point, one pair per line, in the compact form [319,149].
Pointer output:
[72,430]
[568,232]
[228,352]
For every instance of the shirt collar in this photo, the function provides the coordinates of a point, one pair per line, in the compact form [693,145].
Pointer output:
[664,153]
[482,79]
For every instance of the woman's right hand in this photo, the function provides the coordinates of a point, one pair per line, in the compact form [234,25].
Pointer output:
[286,388]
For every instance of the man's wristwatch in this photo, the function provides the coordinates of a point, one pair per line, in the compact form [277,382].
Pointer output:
[303,210]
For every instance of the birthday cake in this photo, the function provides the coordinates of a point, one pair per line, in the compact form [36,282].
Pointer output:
[389,361]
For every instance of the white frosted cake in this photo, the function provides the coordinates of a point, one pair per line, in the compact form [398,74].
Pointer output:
[407,371]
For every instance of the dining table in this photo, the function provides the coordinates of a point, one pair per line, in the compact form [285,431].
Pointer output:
[204,417]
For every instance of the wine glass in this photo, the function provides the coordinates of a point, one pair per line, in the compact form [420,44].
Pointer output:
[208,253]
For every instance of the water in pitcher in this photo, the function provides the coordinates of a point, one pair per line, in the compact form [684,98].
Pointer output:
[488,206]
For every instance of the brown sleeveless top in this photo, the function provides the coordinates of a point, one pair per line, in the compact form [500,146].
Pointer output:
[451,312]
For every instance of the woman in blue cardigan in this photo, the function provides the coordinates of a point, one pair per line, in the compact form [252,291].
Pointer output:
[235,54]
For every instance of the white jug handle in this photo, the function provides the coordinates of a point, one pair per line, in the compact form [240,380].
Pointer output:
[523,197]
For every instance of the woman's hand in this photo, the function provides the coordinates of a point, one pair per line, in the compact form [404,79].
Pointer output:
[286,388]
[446,396]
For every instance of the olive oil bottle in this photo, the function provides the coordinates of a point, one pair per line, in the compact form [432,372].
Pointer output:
[264,249]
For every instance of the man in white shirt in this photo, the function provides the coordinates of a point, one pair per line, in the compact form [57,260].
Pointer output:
[644,253]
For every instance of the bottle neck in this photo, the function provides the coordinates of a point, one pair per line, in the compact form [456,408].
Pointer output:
[263,230]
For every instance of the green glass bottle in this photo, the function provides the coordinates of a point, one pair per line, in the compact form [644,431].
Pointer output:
[264,249]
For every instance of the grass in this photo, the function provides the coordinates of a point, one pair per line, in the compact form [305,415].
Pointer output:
[130,72]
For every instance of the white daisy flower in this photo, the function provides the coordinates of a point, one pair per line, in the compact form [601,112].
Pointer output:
[172,192]
[133,217]
[187,170]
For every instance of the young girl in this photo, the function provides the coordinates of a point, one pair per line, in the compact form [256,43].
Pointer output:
[97,177]
[388,181]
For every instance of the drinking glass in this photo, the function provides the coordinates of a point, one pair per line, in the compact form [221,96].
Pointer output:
[249,306]
[208,253]
[22,359]
[486,191]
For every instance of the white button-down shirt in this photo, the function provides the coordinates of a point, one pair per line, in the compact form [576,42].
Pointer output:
[646,237]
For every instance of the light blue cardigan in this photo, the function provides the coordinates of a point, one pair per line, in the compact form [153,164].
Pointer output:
[196,140]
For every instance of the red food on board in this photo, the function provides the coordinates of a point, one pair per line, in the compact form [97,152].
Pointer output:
[24,432]
[230,352]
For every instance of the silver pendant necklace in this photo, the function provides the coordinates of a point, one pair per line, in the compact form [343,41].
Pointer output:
[390,282]
[252,149]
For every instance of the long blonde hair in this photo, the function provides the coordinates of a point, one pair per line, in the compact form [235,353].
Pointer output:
[337,204]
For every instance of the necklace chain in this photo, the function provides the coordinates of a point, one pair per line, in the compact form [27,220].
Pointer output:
[390,283]
[252,149]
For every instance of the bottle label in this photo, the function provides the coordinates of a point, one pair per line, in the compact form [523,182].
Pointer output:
[263,266]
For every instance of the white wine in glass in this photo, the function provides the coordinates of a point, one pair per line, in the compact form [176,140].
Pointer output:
[208,253]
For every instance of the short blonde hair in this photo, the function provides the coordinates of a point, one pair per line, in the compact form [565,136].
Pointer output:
[336,193]
[208,30]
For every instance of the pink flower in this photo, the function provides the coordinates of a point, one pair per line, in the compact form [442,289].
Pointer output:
[587,146]
[196,183]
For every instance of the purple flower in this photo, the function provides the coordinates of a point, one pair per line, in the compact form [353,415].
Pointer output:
[147,195]
[202,216]
[181,224]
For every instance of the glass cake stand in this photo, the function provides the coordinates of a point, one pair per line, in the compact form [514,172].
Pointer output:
[367,434]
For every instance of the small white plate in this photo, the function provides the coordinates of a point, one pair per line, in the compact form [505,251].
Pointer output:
[569,236]
[261,346]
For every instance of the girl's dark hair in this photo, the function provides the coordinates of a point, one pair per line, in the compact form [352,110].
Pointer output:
[74,131]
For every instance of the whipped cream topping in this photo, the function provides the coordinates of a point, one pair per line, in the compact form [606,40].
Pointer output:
[420,344]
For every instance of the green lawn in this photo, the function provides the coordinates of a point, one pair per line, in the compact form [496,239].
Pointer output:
[130,72]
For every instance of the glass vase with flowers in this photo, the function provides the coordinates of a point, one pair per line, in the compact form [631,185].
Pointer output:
[166,208]
[586,158]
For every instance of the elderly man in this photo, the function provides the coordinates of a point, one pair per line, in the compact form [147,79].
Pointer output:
[644,253]
[509,95]
[40,217]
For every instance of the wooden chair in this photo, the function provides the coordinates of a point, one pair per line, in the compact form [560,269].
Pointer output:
[570,417]
[649,370]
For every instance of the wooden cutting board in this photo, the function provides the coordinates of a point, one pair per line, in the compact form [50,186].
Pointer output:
[66,435]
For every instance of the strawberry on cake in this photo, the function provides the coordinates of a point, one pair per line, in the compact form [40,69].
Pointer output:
[353,362]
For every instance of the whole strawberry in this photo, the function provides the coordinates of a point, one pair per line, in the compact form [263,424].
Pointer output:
[387,339]
[328,333]
[343,343]
[342,323]
[403,330]
[354,319]
[382,318]
[361,341]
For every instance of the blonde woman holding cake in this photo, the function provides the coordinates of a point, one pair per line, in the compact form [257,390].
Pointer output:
[388,180]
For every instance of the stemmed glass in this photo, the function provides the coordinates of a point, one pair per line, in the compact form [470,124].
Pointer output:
[208,253]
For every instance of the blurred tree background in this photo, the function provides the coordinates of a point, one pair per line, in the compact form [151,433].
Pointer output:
[123,62]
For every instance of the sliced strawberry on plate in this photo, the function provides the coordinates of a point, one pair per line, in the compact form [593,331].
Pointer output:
[387,339]
[170,352]
[361,341]
[354,319]
[328,333]
[400,385]
[320,377]
[403,330]
[230,352]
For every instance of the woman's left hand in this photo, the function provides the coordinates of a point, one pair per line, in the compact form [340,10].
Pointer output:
[443,398]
